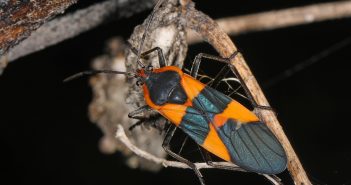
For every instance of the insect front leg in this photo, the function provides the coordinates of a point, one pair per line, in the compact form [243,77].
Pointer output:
[169,134]
[161,56]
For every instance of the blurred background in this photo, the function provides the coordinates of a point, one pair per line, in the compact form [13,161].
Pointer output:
[46,136]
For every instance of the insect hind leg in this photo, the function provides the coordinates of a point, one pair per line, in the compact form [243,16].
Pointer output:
[223,72]
[208,159]
[166,146]
[197,61]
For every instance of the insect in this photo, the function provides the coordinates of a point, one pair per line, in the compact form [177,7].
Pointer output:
[216,122]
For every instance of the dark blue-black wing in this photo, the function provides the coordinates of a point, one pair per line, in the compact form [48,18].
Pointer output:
[253,147]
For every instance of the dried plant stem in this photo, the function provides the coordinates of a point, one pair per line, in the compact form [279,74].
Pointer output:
[73,24]
[281,18]
[121,136]
[19,18]
[211,32]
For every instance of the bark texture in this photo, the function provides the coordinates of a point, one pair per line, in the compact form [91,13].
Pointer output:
[19,18]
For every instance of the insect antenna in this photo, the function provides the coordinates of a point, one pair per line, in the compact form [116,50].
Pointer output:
[158,4]
[93,72]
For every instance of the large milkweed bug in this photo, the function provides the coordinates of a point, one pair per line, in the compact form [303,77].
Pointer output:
[219,124]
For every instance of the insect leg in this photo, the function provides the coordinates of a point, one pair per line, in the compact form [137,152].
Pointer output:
[136,113]
[197,61]
[183,144]
[161,57]
[221,74]
[169,134]
[138,123]
[196,65]
[145,115]
[246,89]
[208,159]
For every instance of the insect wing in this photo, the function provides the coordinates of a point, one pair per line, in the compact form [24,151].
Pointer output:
[253,147]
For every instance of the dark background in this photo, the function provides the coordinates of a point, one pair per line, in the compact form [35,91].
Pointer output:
[46,137]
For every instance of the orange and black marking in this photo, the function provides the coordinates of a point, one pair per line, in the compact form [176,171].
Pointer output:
[213,120]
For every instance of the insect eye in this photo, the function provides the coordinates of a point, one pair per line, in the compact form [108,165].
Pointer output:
[139,83]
